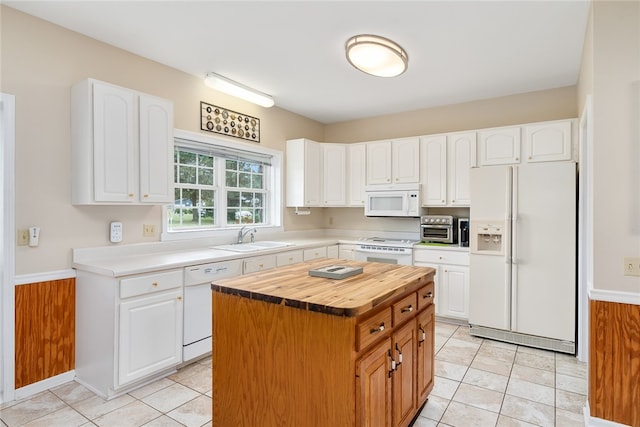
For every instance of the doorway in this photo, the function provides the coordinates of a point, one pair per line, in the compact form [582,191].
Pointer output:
[7,249]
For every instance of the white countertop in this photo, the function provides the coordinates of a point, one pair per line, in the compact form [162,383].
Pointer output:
[139,260]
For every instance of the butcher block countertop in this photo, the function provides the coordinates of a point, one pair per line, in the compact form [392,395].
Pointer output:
[292,286]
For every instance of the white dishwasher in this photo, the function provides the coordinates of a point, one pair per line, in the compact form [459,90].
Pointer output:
[197,304]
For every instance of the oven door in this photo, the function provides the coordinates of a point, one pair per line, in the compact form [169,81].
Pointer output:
[437,233]
[372,255]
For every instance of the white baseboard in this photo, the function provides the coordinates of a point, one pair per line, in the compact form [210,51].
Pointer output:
[590,421]
[43,385]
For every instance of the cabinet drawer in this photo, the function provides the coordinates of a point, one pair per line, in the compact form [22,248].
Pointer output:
[252,265]
[314,253]
[405,308]
[150,283]
[288,258]
[372,328]
[441,257]
[425,296]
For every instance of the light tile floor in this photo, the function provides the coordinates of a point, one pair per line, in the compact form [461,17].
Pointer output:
[478,383]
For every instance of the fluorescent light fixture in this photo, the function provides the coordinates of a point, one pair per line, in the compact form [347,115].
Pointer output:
[228,86]
[376,55]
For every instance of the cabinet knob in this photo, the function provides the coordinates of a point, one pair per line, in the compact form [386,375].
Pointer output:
[145,196]
[260,265]
[131,194]
[378,329]
[179,297]
[517,159]
[530,157]
[407,309]
[154,284]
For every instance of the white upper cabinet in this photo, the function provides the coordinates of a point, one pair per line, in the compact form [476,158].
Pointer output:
[499,146]
[434,170]
[550,141]
[393,162]
[334,158]
[356,174]
[379,162]
[446,161]
[122,145]
[461,157]
[304,173]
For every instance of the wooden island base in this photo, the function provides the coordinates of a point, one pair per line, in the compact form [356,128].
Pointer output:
[279,361]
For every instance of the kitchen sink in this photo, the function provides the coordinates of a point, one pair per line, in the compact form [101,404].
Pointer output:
[252,247]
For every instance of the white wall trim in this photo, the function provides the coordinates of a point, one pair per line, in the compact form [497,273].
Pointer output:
[44,385]
[7,252]
[25,279]
[590,421]
[614,296]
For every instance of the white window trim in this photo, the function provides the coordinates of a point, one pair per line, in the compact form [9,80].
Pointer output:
[275,207]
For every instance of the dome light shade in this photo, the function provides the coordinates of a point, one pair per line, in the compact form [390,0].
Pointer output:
[376,55]
[228,86]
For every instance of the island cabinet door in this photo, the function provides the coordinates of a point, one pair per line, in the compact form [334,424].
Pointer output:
[425,332]
[373,387]
[404,385]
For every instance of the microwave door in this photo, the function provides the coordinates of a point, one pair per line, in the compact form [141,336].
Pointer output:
[387,204]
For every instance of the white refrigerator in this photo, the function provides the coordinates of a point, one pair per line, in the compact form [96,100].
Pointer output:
[522,274]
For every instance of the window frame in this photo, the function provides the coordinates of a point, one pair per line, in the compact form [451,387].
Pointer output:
[273,183]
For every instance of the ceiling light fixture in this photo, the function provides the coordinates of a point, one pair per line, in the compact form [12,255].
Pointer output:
[376,55]
[228,86]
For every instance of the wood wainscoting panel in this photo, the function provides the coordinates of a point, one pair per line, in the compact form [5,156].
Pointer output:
[614,362]
[44,330]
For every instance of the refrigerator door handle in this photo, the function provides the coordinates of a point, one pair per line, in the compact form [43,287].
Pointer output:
[514,250]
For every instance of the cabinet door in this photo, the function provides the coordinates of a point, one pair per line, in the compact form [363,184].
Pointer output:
[373,387]
[150,330]
[499,146]
[379,162]
[114,156]
[346,251]
[405,160]
[547,142]
[356,174]
[425,361]
[334,174]
[453,292]
[156,149]
[461,157]
[312,173]
[333,251]
[434,170]
[404,391]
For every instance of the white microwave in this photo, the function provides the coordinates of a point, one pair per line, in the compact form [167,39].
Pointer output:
[392,200]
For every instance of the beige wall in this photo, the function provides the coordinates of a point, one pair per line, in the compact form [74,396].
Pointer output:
[40,62]
[616,140]
[550,104]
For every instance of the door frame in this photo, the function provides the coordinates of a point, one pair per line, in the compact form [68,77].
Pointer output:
[585,227]
[7,249]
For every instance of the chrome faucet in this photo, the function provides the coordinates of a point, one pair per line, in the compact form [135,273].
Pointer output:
[243,232]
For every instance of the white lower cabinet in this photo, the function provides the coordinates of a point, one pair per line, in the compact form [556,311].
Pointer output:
[346,251]
[258,263]
[288,258]
[315,253]
[128,329]
[150,333]
[451,280]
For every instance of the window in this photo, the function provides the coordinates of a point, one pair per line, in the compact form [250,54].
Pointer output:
[220,185]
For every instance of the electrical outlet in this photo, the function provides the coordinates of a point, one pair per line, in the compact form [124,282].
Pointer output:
[23,237]
[631,266]
[148,230]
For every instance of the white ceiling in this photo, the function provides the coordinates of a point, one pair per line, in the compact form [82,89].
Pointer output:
[294,50]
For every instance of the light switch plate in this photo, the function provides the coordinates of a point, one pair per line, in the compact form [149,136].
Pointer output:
[115,232]
[148,230]
[22,237]
[631,266]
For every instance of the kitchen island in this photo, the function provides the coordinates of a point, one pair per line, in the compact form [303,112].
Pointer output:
[294,350]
